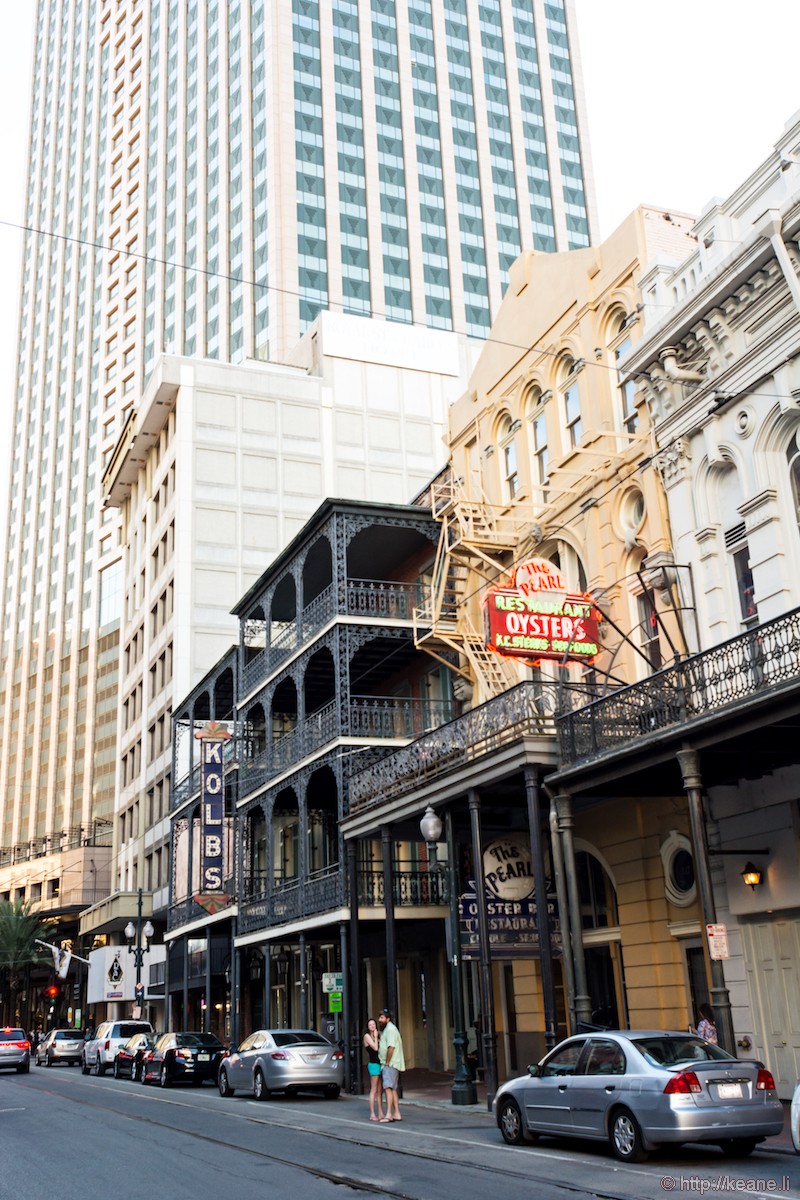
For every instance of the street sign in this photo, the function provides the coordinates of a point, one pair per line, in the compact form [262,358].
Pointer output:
[332,981]
[718,941]
[138,993]
[335,1002]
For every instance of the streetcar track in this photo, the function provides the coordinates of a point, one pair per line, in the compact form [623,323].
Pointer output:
[354,1182]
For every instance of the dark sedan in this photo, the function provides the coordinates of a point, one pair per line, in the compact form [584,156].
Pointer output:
[183,1058]
[129,1058]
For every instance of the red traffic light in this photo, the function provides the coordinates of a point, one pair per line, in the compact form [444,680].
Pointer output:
[52,992]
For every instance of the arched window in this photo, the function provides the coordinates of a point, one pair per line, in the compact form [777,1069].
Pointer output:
[793,459]
[620,346]
[573,418]
[598,897]
[535,410]
[508,446]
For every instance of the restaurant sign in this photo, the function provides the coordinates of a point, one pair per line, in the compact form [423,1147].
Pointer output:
[534,617]
[212,739]
[511,908]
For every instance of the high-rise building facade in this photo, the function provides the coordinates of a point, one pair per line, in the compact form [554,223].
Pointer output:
[203,179]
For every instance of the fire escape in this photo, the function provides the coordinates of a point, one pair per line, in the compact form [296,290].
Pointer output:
[476,538]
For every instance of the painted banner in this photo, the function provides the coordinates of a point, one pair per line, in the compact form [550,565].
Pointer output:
[511,908]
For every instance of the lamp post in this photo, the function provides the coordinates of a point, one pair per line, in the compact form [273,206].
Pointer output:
[135,931]
[463,1090]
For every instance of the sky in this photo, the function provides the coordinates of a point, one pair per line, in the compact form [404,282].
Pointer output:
[684,100]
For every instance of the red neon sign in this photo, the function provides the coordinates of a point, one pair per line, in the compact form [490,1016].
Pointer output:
[534,618]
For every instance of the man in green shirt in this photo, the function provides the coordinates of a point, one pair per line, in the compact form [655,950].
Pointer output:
[390,1052]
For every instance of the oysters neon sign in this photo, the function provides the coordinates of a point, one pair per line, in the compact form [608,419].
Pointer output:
[534,617]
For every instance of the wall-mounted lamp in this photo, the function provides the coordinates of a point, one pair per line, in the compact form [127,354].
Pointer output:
[282,963]
[751,875]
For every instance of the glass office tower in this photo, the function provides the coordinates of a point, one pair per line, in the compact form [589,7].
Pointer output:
[204,177]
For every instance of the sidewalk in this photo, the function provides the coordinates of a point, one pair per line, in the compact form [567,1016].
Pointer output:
[432,1089]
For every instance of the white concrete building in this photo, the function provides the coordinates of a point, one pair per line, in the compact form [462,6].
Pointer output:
[719,366]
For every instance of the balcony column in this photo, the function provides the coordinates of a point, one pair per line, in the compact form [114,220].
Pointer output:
[542,914]
[353,1031]
[267,952]
[388,902]
[207,1009]
[689,761]
[583,1002]
[488,1031]
[190,855]
[303,983]
[184,1022]
[346,1010]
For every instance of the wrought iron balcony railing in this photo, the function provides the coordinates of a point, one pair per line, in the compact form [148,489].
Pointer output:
[523,710]
[751,664]
[378,598]
[184,911]
[97,833]
[316,893]
[364,717]
[416,886]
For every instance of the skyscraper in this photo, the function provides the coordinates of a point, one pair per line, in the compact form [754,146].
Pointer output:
[203,179]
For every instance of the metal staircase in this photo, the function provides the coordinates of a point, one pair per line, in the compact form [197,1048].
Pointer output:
[476,539]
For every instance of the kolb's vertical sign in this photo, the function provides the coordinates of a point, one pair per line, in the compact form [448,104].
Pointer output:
[212,740]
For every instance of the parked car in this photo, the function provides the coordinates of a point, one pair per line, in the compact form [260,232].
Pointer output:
[794,1118]
[15,1050]
[282,1060]
[183,1058]
[101,1050]
[129,1058]
[641,1089]
[59,1046]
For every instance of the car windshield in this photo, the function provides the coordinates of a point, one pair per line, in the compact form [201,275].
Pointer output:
[198,1039]
[678,1051]
[301,1037]
[12,1035]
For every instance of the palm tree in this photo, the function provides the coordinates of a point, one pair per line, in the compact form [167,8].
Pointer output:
[20,927]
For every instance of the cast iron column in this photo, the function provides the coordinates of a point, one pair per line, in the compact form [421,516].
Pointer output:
[303,984]
[542,913]
[689,761]
[487,987]
[207,1010]
[583,1002]
[388,902]
[348,1066]
[353,1031]
[463,1090]
[267,952]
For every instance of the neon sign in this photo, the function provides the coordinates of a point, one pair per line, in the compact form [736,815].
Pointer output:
[534,617]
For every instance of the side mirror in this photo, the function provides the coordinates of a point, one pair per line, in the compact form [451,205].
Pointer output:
[534,1070]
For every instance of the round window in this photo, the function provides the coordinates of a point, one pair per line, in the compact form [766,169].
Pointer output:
[680,882]
[682,870]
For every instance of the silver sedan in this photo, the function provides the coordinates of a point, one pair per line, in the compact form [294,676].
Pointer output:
[282,1060]
[642,1089]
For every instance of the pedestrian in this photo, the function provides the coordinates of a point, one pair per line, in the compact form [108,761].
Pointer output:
[372,1039]
[392,1063]
[706,1026]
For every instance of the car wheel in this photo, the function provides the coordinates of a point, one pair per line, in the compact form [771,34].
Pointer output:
[23,1068]
[163,1078]
[738,1147]
[626,1137]
[260,1089]
[84,1066]
[224,1086]
[48,1062]
[115,1069]
[332,1091]
[97,1067]
[143,1074]
[509,1118]
[134,1073]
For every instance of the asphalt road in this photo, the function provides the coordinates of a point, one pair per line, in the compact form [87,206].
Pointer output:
[75,1137]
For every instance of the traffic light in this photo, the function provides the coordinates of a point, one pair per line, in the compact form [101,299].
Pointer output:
[52,992]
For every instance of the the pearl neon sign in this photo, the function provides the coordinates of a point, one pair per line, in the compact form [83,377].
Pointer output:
[534,617]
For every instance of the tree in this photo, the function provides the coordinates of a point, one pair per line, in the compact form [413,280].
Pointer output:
[20,926]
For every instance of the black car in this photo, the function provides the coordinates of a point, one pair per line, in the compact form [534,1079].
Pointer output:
[183,1058]
[129,1058]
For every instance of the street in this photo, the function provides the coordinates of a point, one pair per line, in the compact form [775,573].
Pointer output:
[82,1138]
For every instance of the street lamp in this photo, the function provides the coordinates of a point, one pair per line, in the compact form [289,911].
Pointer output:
[463,1090]
[135,931]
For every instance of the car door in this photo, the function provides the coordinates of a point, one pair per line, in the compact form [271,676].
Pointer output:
[596,1085]
[235,1064]
[547,1094]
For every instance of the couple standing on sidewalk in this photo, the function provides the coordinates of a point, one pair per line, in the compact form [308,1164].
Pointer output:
[384,1047]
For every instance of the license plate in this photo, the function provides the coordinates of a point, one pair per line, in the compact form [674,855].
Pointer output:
[730,1091]
[312,1057]
[204,1058]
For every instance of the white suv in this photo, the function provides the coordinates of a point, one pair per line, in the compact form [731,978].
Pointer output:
[100,1052]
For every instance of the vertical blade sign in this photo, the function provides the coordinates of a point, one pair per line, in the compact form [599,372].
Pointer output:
[212,799]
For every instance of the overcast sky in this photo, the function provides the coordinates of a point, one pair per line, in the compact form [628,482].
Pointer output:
[684,98]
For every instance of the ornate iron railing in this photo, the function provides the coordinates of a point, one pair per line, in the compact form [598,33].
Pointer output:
[184,911]
[525,709]
[365,597]
[389,717]
[317,893]
[715,679]
[412,887]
